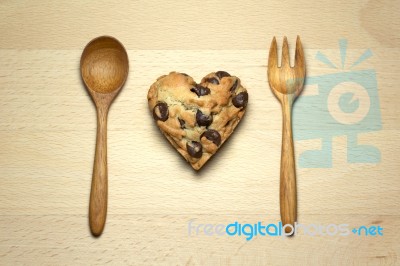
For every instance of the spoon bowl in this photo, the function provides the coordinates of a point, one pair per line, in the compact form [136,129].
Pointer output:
[104,65]
[104,69]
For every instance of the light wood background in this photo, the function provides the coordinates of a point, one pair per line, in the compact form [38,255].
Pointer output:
[47,135]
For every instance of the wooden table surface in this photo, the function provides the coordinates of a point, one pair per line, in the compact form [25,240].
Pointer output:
[48,126]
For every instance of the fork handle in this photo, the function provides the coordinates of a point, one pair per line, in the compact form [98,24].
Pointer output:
[288,193]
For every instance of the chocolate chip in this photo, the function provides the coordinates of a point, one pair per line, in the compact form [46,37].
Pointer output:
[182,123]
[240,100]
[213,81]
[194,149]
[200,90]
[160,111]
[202,119]
[212,135]
[234,86]
[221,74]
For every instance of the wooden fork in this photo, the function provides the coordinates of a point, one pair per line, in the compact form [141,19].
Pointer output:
[287,83]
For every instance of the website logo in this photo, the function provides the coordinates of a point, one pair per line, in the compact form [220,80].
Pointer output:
[261,229]
[343,103]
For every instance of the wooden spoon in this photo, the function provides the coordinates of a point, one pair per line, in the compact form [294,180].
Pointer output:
[104,69]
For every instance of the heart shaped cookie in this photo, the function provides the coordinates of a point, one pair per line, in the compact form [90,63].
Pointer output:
[197,118]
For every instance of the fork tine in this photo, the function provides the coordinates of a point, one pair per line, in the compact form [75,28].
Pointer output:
[273,55]
[299,57]
[285,53]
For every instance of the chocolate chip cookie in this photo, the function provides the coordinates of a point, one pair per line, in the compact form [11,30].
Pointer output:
[197,118]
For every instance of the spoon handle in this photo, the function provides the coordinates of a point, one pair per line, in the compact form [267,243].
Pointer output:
[99,190]
[288,194]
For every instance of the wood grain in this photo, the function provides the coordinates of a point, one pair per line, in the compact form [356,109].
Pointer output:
[48,128]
